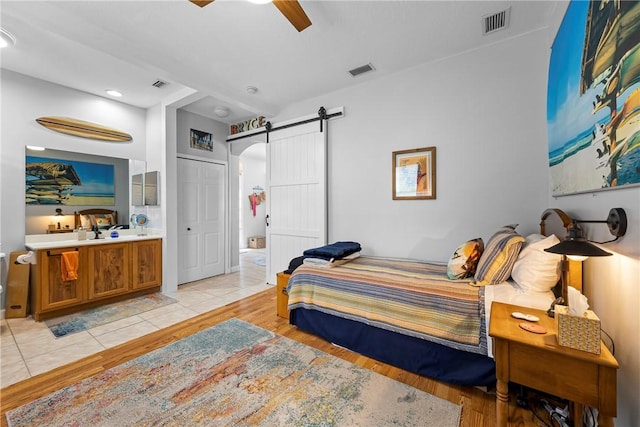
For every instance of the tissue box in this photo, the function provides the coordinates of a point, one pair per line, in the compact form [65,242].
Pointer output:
[579,332]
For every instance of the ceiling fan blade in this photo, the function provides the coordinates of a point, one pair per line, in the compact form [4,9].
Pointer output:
[201,3]
[292,10]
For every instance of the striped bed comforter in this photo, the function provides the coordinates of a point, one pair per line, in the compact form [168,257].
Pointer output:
[409,297]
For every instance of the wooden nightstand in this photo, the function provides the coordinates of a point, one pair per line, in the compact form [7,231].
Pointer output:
[539,362]
[282,297]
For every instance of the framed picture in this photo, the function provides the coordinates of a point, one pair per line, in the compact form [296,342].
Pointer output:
[201,140]
[413,174]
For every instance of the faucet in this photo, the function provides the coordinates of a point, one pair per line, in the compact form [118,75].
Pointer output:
[96,230]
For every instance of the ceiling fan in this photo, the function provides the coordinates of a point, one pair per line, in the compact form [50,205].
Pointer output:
[291,10]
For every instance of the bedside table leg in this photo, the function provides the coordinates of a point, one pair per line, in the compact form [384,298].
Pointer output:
[578,412]
[502,403]
[605,420]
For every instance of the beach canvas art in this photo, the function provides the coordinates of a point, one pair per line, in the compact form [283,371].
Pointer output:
[68,182]
[593,103]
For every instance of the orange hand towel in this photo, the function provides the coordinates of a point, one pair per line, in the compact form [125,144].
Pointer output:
[69,265]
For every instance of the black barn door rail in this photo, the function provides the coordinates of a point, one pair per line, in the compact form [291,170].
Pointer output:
[322,116]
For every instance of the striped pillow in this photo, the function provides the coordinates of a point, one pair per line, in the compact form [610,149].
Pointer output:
[499,255]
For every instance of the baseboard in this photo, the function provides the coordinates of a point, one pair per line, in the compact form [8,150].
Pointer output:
[2,314]
[235,268]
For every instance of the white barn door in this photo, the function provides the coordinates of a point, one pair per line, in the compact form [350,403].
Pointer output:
[296,194]
[201,207]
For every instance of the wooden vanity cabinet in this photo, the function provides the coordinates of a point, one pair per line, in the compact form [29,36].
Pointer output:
[54,293]
[107,272]
[146,264]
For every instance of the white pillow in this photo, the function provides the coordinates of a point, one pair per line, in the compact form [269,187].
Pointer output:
[536,270]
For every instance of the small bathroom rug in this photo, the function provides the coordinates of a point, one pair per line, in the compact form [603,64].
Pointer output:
[87,319]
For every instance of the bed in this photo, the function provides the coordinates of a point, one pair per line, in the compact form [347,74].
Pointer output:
[430,318]
[88,218]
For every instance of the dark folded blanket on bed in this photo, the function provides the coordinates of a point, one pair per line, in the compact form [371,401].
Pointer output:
[294,263]
[335,250]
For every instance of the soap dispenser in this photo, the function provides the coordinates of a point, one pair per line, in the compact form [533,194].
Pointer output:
[82,234]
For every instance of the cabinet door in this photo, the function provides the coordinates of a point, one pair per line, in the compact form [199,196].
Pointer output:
[107,270]
[146,264]
[55,292]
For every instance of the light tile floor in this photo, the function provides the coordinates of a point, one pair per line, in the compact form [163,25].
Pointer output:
[28,347]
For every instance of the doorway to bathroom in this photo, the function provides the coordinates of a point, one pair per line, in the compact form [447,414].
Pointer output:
[252,170]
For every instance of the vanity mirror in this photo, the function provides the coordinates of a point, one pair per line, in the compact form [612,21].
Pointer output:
[47,206]
[137,189]
[151,188]
[144,189]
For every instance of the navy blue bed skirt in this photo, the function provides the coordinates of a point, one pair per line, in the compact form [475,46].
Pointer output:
[412,354]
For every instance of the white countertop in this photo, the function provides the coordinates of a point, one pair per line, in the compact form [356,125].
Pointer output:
[37,242]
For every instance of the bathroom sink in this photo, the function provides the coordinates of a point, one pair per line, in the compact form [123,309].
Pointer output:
[46,243]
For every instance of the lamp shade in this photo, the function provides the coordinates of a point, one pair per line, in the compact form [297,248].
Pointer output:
[577,247]
[575,244]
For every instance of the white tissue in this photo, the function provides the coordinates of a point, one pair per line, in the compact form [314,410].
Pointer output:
[25,258]
[578,303]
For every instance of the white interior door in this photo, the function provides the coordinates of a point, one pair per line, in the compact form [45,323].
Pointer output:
[201,207]
[296,194]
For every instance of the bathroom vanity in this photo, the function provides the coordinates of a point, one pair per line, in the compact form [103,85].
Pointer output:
[108,270]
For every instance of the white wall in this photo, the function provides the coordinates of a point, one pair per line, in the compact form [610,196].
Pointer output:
[23,100]
[254,173]
[485,113]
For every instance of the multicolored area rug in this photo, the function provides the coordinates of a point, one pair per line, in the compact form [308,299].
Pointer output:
[83,320]
[236,374]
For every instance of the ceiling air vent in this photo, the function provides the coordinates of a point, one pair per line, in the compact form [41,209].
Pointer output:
[496,22]
[158,83]
[361,70]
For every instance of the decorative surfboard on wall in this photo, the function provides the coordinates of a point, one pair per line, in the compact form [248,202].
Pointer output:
[83,129]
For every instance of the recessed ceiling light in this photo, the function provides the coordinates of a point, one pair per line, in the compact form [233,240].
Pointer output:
[221,111]
[6,38]
[34,148]
[113,92]
[252,90]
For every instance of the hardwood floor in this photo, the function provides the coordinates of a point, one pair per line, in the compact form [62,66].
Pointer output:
[259,309]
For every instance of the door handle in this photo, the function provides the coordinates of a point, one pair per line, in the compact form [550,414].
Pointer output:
[266,220]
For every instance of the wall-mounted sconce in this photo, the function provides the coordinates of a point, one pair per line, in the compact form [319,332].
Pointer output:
[58,213]
[577,248]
